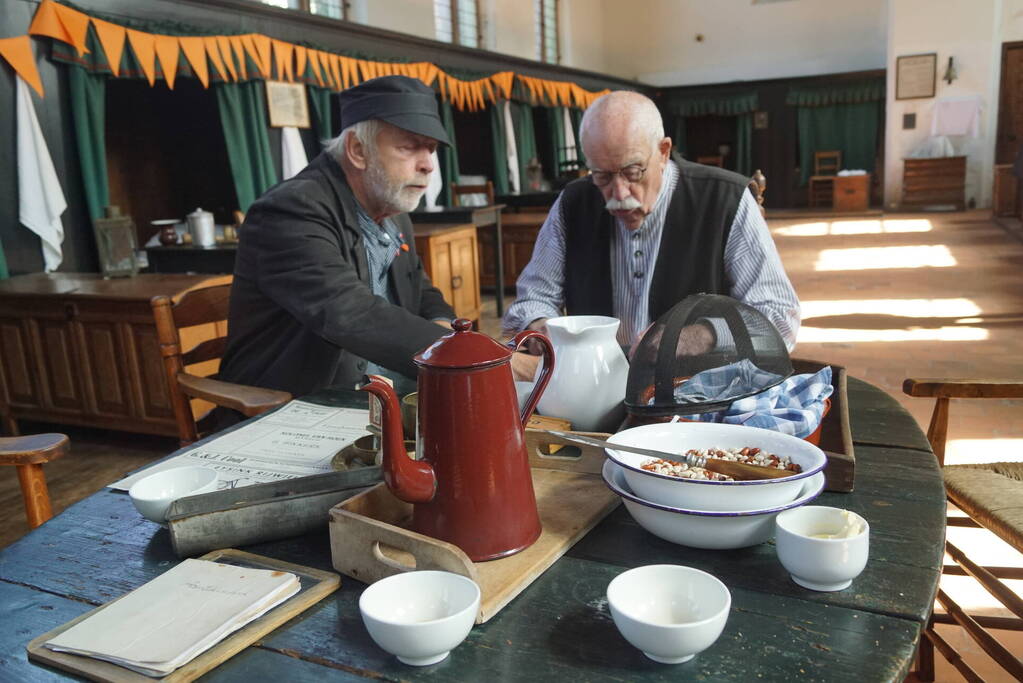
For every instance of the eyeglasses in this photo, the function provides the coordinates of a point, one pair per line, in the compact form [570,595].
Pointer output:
[632,173]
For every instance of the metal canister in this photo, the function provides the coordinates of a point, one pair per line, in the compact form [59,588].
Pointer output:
[202,228]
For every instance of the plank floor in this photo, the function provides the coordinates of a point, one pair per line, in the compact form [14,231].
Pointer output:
[889,296]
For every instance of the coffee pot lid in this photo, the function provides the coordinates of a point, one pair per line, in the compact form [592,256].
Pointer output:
[462,348]
[199,212]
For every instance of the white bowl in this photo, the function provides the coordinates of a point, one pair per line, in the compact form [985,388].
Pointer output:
[420,616]
[711,529]
[679,437]
[669,612]
[152,495]
[822,564]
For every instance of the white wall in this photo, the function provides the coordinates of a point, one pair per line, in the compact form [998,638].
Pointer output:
[583,43]
[971,32]
[655,40]
[405,16]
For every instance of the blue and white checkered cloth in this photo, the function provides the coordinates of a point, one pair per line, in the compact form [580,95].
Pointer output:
[794,406]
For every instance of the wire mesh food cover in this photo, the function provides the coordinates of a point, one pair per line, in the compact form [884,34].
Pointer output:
[703,354]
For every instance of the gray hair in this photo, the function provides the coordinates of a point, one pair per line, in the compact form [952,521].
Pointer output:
[634,112]
[364,131]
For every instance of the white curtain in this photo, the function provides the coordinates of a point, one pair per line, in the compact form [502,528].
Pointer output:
[570,146]
[293,158]
[511,149]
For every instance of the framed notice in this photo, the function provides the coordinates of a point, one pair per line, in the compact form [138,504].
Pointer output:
[915,76]
[287,104]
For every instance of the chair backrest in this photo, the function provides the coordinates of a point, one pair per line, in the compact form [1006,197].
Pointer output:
[716,160]
[827,162]
[202,315]
[758,186]
[486,189]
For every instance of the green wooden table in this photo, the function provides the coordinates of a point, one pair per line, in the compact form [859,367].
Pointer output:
[559,628]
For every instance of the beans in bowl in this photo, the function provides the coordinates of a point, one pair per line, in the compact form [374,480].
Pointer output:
[749,455]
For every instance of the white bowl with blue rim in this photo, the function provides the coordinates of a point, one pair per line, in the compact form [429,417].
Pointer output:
[703,494]
[708,529]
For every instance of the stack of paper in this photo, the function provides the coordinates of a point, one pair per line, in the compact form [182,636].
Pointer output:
[170,620]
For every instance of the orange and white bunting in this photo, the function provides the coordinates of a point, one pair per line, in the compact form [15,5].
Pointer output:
[195,53]
[143,46]
[18,53]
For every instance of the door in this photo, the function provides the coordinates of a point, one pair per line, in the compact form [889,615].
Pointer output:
[1010,104]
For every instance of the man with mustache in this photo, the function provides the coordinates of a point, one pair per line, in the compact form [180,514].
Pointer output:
[327,283]
[645,230]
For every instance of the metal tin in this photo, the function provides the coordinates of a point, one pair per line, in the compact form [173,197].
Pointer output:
[202,228]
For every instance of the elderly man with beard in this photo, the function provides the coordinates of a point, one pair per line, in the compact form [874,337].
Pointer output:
[645,230]
[327,283]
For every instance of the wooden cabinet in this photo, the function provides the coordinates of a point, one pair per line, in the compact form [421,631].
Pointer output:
[448,252]
[934,182]
[851,192]
[1005,195]
[78,349]
[518,238]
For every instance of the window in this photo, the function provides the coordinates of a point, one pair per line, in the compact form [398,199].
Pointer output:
[335,9]
[546,13]
[457,21]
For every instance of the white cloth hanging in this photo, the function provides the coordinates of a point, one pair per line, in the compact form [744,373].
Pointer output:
[293,158]
[40,198]
[570,145]
[511,149]
[435,184]
[957,116]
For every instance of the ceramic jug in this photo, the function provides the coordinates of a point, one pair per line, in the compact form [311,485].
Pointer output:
[470,484]
[588,384]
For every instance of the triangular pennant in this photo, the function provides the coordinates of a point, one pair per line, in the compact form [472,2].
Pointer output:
[195,52]
[111,37]
[442,85]
[346,72]
[225,53]
[253,54]
[328,78]
[262,45]
[168,50]
[77,25]
[429,73]
[300,61]
[145,52]
[335,71]
[47,23]
[213,52]
[283,59]
[238,48]
[314,66]
[367,70]
[18,53]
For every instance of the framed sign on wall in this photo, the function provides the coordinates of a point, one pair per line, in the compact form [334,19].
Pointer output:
[915,76]
[287,104]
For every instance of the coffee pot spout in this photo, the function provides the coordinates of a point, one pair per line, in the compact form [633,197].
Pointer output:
[413,481]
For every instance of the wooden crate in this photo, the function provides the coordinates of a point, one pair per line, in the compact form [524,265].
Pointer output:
[836,435]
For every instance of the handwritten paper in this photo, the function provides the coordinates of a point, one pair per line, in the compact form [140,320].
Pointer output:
[167,622]
[298,440]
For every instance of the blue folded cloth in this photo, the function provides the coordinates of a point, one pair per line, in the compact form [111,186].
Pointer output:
[725,382]
[794,406]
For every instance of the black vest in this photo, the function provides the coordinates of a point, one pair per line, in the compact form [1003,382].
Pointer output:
[690,258]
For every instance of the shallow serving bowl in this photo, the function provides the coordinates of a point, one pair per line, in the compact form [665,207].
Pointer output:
[710,529]
[152,495]
[695,494]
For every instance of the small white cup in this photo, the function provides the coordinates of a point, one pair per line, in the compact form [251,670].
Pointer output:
[154,494]
[671,613]
[420,616]
[823,548]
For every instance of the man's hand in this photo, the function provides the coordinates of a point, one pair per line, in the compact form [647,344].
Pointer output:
[524,366]
[695,339]
[532,346]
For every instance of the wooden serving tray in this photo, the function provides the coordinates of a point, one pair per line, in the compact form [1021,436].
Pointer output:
[315,585]
[369,538]
[836,436]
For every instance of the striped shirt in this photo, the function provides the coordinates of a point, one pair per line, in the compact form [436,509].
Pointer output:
[382,242]
[753,270]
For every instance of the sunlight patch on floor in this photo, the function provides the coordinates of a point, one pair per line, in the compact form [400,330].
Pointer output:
[962,451]
[910,308]
[873,258]
[827,335]
[859,227]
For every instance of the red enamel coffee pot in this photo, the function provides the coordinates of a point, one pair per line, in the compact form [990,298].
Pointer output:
[470,484]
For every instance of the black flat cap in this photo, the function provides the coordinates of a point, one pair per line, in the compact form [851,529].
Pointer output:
[405,102]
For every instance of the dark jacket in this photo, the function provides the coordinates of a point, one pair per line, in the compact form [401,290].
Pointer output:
[690,258]
[302,315]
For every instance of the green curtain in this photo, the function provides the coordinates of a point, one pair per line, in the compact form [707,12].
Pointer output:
[3,264]
[577,119]
[243,118]
[739,105]
[525,138]
[556,140]
[88,111]
[499,141]
[872,90]
[743,144]
[448,156]
[321,113]
[851,128]
[679,138]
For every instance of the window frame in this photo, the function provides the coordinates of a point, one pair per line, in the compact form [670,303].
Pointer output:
[453,12]
[542,19]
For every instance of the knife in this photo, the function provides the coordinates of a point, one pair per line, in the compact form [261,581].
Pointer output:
[737,470]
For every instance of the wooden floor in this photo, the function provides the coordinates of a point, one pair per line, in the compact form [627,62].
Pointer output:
[889,297]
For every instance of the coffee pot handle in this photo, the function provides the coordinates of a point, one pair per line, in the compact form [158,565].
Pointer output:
[545,373]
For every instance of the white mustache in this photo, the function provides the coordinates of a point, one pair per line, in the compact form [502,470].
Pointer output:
[627,204]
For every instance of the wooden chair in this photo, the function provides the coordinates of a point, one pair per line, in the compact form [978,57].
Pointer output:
[206,306]
[822,182]
[991,495]
[716,160]
[486,189]
[758,186]
[28,453]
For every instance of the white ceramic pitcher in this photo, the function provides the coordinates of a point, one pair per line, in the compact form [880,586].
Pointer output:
[588,384]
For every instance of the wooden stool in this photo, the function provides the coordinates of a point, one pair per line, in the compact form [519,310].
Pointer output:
[28,453]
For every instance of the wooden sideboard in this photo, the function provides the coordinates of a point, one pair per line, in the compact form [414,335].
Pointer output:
[519,236]
[933,182]
[448,252]
[78,349]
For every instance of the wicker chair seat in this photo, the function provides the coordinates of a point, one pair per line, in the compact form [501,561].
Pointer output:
[992,494]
